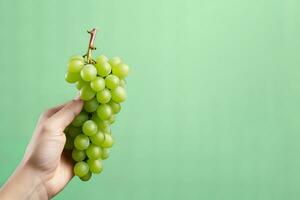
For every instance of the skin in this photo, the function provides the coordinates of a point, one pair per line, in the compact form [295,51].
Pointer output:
[45,169]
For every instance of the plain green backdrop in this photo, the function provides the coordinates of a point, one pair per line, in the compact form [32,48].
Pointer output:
[213,95]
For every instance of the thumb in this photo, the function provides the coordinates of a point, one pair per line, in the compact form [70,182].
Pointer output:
[62,118]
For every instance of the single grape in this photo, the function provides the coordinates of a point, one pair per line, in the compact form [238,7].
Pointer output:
[81,142]
[95,166]
[75,65]
[118,95]
[98,138]
[95,118]
[122,83]
[89,128]
[72,77]
[121,70]
[114,61]
[81,169]
[78,155]
[91,105]
[100,123]
[105,153]
[98,84]
[69,143]
[103,124]
[111,119]
[104,111]
[112,81]
[106,130]
[80,119]
[94,152]
[74,131]
[108,141]
[86,93]
[116,107]
[80,83]
[88,72]
[77,57]
[103,68]
[101,58]
[86,177]
[103,96]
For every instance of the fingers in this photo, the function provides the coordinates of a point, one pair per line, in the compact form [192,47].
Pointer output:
[63,174]
[65,115]
[52,111]
[48,113]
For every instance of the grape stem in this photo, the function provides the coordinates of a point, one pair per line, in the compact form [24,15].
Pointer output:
[91,46]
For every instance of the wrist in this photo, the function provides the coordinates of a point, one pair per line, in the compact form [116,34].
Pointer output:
[24,184]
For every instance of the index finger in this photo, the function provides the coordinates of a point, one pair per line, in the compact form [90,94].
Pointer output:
[62,118]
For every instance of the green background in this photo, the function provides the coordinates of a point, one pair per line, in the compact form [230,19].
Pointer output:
[213,95]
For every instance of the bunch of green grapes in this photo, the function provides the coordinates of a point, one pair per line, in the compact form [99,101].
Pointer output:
[101,83]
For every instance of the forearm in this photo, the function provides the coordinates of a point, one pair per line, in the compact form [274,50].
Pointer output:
[22,185]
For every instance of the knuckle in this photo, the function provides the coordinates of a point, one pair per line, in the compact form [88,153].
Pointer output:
[46,113]
[70,112]
[48,125]
[43,114]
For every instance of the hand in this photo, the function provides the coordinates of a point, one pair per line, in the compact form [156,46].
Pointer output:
[46,168]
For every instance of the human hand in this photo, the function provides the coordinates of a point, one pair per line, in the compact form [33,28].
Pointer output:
[45,168]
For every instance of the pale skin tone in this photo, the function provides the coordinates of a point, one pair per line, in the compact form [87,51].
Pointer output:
[46,168]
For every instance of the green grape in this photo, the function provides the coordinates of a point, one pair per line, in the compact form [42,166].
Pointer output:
[86,93]
[103,68]
[94,152]
[104,111]
[80,119]
[118,95]
[101,58]
[88,72]
[74,131]
[121,70]
[98,84]
[112,81]
[106,130]
[80,83]
[69,143]
[86,177]
[100,123]
[95,118]
[91,105]
[122,83]
[98,138]
[81,169]
[111,119]
[78,155]
[115,107]
[75,65]
[72,77]
[89,128]
[77,57]
[108,141]
[95,166]
[115,61]
[103,96]
[81,142]
[103,124]
[105,153]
